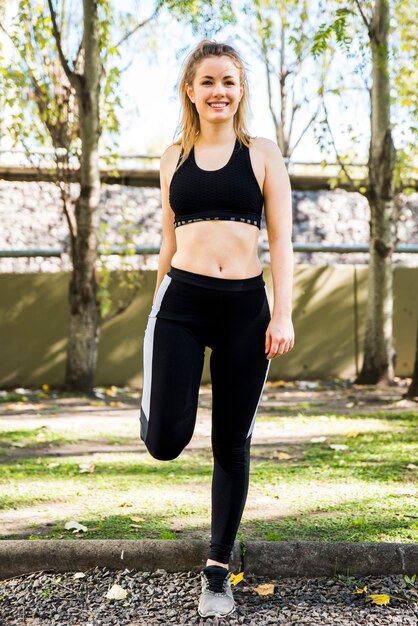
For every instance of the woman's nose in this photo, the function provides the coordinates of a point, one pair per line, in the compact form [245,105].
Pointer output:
[218,89]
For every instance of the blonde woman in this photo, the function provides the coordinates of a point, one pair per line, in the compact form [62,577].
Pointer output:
[210,291]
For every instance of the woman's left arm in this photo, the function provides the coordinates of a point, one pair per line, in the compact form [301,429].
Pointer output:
[280,336]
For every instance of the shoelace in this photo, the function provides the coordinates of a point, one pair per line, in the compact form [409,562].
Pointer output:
[216,580]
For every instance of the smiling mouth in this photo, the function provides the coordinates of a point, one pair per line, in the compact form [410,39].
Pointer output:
[218,105]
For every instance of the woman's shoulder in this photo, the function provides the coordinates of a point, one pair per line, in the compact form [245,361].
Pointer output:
[169,159]
[264,145]
[172,152]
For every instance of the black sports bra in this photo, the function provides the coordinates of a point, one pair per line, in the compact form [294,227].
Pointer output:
[229,193]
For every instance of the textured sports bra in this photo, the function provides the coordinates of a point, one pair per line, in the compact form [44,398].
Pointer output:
[229,193]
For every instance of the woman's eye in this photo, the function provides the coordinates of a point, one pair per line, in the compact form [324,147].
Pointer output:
[228,82]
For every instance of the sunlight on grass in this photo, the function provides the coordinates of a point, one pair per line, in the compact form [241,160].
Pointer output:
[355,482]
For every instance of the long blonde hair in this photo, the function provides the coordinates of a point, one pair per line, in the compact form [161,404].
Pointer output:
[189,124]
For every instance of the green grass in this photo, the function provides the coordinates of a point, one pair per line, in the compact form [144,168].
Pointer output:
[362,493]
[35,438]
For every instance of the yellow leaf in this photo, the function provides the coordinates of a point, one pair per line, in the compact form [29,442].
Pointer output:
[351,433]
[45,387]
[115,403]
[378,598]
[97,403]
[137,519]
[111,391]
[135,526]
[264,590]
[43,395]
[283,455]
[236,578]
[126,504]
[116,592]
[361,589]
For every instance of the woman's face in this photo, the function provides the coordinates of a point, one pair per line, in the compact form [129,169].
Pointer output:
[216,89]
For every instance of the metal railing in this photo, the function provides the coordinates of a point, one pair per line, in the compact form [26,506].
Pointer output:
[263,247]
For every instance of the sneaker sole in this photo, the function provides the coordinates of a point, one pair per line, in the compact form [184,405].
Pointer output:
[214,614]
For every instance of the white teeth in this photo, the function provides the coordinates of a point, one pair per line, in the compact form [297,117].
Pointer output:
[217,106]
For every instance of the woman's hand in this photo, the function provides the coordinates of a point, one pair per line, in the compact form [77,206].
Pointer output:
[280,336]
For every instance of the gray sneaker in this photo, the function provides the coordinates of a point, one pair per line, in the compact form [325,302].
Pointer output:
[216,598]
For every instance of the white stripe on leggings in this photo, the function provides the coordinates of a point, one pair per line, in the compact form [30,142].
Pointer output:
[265,378]
[149,344]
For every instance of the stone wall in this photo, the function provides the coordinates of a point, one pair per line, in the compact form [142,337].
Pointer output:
[31,217]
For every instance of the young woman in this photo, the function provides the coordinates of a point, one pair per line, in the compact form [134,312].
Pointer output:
[210,291]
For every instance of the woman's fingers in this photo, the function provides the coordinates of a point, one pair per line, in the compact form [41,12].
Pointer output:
[278,346]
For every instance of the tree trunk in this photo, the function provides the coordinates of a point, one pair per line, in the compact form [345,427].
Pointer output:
[378,364]
[84,311]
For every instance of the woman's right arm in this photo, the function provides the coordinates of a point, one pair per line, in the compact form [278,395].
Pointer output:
[168,246]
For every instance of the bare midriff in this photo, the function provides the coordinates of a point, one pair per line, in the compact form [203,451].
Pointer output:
[221,248]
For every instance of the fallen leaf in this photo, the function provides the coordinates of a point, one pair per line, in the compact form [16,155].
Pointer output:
[412,466]
[111,391]
[126,504]
[361,589]
[136,526]
[116,403]
[75,527]
[283,455]
[137,519]
[86,468]
[338,446]
[97,403]
[378,598]
[349,405]
[317,439]
[351,433]
[45,387]
[116,592]
[236,578]
[79,575]
[264,590]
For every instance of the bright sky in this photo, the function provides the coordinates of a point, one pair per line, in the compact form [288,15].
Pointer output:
[150,105]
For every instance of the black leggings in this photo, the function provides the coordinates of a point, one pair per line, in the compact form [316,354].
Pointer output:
[230,316]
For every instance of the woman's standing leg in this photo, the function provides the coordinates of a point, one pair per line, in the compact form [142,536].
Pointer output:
[239,370]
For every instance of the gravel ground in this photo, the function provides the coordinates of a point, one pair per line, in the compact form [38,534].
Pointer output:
[164,598]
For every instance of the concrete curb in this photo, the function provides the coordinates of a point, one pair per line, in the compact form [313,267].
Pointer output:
[260,558]
[318,558]
[23,556]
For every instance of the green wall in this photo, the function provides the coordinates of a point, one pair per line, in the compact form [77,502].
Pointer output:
[329,314]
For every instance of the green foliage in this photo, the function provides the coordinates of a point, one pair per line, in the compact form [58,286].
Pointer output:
[337,27]
[129,279]
[206,17]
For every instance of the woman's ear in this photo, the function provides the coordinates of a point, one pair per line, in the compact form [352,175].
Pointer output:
[189,91]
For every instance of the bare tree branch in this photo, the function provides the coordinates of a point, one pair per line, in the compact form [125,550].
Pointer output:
[304,131]
[138,26]
[364,18]
[57,36]
[335,148]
